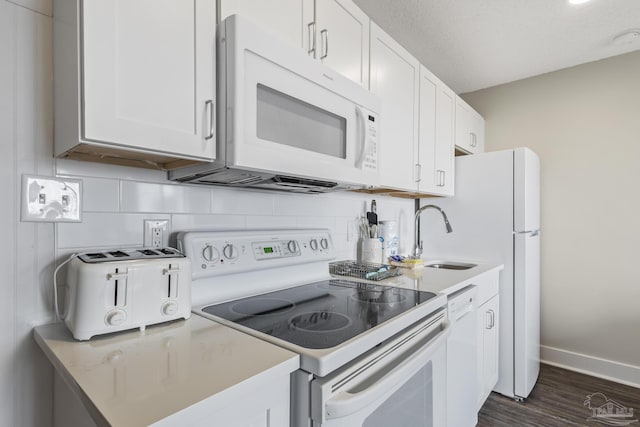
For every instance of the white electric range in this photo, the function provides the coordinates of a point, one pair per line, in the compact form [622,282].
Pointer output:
[370,354]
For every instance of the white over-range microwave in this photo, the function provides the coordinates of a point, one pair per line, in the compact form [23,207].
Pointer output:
[285,120]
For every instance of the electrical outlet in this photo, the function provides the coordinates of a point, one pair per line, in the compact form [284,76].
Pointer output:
[156,233]
[51,199]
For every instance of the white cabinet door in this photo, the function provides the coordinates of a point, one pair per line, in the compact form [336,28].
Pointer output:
[342,38]
[427,147]
[395,78]
[445,129]
[469,127]
[292,20]
[149,75]
[436,148]
[477,130]
[488,333]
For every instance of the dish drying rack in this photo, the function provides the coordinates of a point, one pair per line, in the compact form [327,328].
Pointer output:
[363,270]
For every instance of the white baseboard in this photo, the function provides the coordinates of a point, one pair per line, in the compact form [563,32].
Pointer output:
[594,366]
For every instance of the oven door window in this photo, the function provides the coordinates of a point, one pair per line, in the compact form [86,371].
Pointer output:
[286,120]
[410,405]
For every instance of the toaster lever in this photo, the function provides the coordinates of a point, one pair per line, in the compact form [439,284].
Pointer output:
[170,270]
[116,276]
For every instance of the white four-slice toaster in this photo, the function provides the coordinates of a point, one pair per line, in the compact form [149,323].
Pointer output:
[123,289]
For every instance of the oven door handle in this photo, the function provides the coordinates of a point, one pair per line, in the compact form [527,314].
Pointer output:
[344,404]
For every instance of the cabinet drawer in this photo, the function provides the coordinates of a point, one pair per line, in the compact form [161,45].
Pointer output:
[487,286]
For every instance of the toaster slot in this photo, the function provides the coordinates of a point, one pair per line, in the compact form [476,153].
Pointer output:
[119,287]
[172,280]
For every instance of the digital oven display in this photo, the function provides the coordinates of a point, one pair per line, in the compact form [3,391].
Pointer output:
[268,250]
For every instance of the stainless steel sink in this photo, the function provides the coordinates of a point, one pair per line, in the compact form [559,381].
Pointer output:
[450,265]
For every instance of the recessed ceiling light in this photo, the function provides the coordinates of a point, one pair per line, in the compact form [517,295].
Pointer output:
[577,1]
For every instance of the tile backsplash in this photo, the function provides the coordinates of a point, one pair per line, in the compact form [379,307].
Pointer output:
[117,200]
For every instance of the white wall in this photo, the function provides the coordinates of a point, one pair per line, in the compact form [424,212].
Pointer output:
[116,200]
[26,257]
[584,122]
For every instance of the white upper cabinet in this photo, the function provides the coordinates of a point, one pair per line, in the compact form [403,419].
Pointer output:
[395,78]
[342,38]
[335,32]
[135,80]
[285,18]
[469,128]
[436,147]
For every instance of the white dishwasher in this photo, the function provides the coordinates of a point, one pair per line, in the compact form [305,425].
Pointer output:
[461,359]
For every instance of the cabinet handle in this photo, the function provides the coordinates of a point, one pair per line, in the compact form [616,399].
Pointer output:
[492,319]
[311,33]
[209,107]
[473,139]
[440,178]
[417,172]
[324,38]
[443,177]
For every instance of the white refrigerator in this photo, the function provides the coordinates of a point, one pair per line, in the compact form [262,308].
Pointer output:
[495,215]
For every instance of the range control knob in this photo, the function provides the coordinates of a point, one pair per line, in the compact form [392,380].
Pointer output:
[210,254]
[230,252]
[115,317]
[324,243]
[169,308]
[292,245]
[313,244]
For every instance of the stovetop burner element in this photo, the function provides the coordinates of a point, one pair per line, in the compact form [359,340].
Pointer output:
[320,321]
[298,314]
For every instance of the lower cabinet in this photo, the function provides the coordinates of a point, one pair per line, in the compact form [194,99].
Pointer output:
[487,324]
[263,406]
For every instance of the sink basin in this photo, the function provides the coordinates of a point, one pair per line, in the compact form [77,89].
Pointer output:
[450,265]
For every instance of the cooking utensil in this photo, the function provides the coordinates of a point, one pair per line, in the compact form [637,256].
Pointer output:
[372,216]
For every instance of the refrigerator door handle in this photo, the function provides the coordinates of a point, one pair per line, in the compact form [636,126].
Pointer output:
[532,233]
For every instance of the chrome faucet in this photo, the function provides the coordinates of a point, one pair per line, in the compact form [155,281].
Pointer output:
[417,241]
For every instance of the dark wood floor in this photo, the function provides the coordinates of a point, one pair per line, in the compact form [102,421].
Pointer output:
[557,400]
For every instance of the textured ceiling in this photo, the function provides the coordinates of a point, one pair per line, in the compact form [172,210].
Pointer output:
[474,44]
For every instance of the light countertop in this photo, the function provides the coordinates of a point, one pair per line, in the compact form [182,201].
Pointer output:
[441,280]
[138,378]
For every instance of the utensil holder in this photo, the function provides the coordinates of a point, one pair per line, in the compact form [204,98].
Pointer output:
[370,250]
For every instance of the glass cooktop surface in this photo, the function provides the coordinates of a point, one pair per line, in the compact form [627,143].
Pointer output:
[322,314]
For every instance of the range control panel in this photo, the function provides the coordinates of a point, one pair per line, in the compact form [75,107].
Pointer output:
[223,252]
[270,249]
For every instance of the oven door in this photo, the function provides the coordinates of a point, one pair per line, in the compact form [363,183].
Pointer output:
[285,113]
[401,384]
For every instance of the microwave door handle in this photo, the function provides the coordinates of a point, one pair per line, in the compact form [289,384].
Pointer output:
[345,403]
[362,136]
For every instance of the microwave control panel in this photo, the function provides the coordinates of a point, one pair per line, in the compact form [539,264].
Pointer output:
[370,161]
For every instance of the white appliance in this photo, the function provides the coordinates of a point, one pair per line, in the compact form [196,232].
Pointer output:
[370,355]
[285,120]
[496,216]
[462,395]
[123,289]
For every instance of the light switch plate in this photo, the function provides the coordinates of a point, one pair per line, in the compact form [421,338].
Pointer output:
[51,199]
